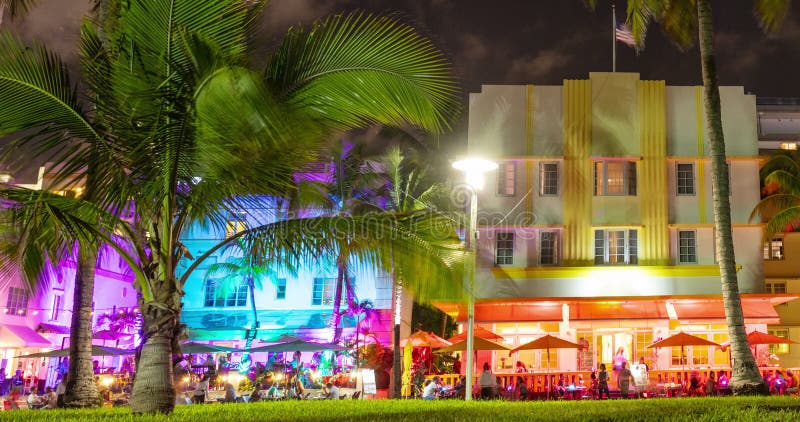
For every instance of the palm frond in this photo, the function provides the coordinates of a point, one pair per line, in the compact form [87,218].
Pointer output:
[356,69]
[771,13]
[638,19]
[17,8]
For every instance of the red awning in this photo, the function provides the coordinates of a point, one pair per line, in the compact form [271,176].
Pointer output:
[19,336]
[626,309]
[754,310]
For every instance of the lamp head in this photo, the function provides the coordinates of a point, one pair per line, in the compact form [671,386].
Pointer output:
[474,169]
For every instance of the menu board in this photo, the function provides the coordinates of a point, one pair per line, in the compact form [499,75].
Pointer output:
[368,381]
[639,372]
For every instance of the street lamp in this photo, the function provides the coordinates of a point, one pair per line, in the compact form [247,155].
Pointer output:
[473,169]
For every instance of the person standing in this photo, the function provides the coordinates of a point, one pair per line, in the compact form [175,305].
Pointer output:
[487,382]
[2,381]
[624,380]
[602,382]
[711,385]
[201,390]
[61,390]
[619,359]
[457,365]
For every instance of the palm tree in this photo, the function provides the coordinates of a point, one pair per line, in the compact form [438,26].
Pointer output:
[177,126]
[408,190]
[243,265]
[680,20]
[15,8]
[780,206]
[362,311]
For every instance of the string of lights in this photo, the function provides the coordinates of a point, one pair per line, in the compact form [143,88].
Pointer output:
[36,311]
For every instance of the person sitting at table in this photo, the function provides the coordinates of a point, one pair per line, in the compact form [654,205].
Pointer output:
[522,389]
[230,393]
[791,382]
[711,385]
[722,380]
[33,400]
[50,398]
[429,392]
[778,384]
[332,392]
[461,387]
[254,396]
[273,392]
[520,367]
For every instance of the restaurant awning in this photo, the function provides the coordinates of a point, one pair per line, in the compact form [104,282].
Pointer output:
[20,336]
[757,308]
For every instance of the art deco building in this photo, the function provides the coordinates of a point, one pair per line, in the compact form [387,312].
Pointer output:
[598,225]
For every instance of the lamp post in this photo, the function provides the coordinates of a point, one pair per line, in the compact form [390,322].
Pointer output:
[473,169]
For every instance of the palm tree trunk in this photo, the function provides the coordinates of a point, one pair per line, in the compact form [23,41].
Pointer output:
[81,387]
[153,390]
[252,287]
[337,303]
[745,376]
[397,369]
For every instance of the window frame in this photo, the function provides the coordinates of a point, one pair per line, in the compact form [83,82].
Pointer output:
[779,349]
[769,251]
[629,175]
[680,247]
[503,179]
[234,226]
[280,289]
[326,285]
[17,300]
[692,180]
[507,259]
[553,248]
[544,178]
[57,305]
[630,246]
[212,300]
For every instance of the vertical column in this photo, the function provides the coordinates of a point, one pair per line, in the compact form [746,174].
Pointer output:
[700,167]
[577,134]
[529,188]
[654,197]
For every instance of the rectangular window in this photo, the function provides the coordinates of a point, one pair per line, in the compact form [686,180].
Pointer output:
[547,248]
[548,179]
[219,295]
[506,178]
[17,303]
[322,293]
[779,348]
[684,178]
[235,226]
[615,178]
[504,249]
[55,310]
[617,246]
[687,247]
[775,287]
[773,249]
[280,290]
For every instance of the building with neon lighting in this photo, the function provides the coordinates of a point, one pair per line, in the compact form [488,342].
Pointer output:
[598,225]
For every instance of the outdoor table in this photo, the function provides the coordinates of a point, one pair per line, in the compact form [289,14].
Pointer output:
[575,392]
[669,389]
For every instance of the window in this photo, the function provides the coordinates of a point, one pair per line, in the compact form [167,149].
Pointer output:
[773,249]
[218,294]
[56,308]
[548,179]
[280,289]
[235,226]
[547,248]
[322,293]
[616,247]
[506,178]
[504,249]
[779,348]
[17,303]
[615,178]
[684,178]
[687,247]
[774,287]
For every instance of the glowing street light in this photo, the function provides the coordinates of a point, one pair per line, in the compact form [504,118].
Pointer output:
[473,169]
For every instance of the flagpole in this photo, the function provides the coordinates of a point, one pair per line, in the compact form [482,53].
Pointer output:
[613,38]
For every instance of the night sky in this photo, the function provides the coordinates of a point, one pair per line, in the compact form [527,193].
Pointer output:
[520,42]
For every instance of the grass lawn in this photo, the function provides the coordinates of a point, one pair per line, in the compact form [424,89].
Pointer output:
[760,409]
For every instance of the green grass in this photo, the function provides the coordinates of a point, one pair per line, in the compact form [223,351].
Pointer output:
[759,409]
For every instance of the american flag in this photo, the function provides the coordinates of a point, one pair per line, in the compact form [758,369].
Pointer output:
[623,34]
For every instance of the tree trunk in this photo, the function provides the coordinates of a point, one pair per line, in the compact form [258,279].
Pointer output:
[397,369]
[252,287]
[337,303]
[81,387]
[745,378]
[153,387]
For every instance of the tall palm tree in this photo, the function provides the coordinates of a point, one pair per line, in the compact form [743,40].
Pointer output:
[15,8]
[681,19]
[177,126]
[409,189]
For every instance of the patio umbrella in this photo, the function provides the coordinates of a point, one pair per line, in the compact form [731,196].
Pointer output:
[757,337]
[477,332]
[478,344]
[200,348]
[407,360]
[297,345]
[96,351]
[425,339]
[108,335]
[682,339]
[547,342]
